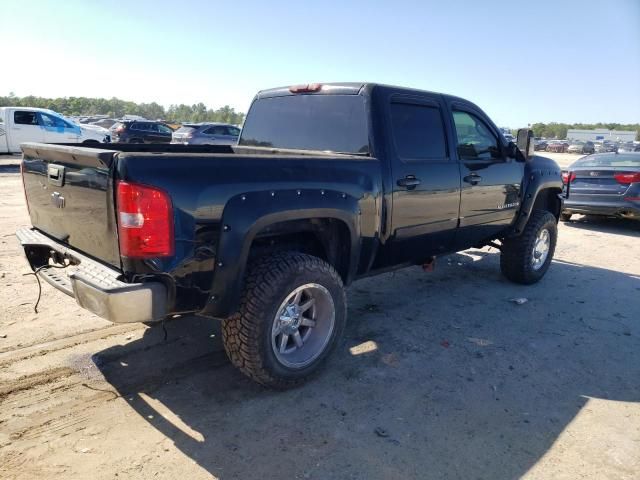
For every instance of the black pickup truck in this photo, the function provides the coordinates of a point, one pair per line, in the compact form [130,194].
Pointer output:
[328,183]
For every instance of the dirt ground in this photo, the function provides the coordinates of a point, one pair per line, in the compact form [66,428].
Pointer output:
[440,376]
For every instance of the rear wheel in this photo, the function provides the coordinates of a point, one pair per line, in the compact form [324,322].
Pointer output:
[525,259]
[91,142]
[292,314]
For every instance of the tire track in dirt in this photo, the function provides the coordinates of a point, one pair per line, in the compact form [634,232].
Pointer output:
[39,348]
[29,381]
[65,402]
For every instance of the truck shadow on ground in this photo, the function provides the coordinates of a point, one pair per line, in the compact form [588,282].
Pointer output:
[440,376]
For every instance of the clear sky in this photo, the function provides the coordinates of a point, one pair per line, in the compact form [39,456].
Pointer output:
[522,62]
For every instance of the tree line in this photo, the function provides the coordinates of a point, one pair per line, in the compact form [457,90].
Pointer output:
[116,108]
[559,130]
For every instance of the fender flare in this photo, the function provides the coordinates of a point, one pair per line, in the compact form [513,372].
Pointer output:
[537,179]
[246,215]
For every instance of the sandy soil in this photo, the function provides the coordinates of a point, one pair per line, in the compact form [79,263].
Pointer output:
[440,375]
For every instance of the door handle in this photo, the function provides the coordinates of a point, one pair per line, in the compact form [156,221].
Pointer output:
[409,182]
[472,178]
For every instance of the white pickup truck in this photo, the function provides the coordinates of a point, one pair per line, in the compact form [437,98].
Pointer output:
[23,124]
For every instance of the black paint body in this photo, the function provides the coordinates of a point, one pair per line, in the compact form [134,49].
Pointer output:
[228,200]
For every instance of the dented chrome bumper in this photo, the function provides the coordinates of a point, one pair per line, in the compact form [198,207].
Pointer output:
[95,286]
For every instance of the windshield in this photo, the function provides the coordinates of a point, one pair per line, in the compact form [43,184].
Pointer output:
[335,123]
[609,161]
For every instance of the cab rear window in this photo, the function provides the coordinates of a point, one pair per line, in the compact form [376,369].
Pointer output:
[335,123]
[25,118]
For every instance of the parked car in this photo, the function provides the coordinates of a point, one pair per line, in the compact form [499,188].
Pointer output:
[557,146]
[581,147]
[90,126]
[628,147]
[606,147]
[24,124]
[206,134]
[91,119]
[540,145]
[105,122]
[266,234]
[603,184]
[141,132]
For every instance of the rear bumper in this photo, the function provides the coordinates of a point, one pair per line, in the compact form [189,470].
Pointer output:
[95,286]
[618,209]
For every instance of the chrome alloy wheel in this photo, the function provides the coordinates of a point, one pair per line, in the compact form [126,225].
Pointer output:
[541,249]
[303,325]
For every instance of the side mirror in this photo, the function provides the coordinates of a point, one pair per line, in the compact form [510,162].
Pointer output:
[526,143]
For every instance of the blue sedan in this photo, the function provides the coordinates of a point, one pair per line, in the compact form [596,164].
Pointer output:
[603,184]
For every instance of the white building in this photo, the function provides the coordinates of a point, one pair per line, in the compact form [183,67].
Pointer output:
[601,134]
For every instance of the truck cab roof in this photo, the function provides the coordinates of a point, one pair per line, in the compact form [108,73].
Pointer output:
[350,88]
[343,88]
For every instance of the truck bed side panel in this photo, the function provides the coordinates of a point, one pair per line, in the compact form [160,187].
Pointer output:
[202,188]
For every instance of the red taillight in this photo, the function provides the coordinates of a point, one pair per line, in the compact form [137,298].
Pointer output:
[310,87]
[568,177]
[627,177]
[145,221]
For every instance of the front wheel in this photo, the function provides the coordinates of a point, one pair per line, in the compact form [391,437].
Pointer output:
[292,314]
[525,259]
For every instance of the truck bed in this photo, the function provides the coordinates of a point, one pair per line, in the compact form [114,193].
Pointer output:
[70,193]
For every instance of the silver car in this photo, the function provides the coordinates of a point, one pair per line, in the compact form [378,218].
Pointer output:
[206,134]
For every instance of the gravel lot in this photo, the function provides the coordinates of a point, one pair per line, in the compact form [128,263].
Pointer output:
[440,376]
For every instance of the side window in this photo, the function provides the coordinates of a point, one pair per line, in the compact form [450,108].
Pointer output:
[218,130]
[475,139]
[136,126]
[52,121]
[418,131]
[233,131]
[164,129]
[25,118]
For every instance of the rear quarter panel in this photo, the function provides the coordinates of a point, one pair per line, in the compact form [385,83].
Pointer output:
[221,202]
